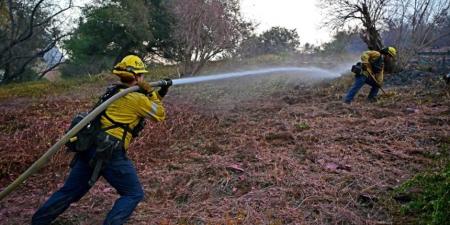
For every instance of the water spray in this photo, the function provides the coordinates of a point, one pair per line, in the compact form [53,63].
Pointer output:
[317,72]
[72,132]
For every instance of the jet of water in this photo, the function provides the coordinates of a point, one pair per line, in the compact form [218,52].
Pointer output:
[313,71]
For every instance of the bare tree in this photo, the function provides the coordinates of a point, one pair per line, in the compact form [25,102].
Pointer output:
[203,29]
[368,13]
[29,31]
[417,24]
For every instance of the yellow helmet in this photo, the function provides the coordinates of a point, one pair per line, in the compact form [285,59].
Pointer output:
[391,51]
[129,66]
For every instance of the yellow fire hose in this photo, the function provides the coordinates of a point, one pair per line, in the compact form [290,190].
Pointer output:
[72,132]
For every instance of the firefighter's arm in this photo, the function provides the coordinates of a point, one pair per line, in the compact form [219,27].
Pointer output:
[146,87]
[377,77]
[365,57]
[380,77]
[150,105]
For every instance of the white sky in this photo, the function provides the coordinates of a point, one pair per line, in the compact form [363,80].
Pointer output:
[303,15]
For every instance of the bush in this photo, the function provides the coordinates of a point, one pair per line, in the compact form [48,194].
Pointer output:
[40,88]
[429,194]
[159,71]
[86,67]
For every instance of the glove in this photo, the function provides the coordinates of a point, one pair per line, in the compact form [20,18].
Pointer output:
[357,68]
[364,67]
[146,87]
[166,83]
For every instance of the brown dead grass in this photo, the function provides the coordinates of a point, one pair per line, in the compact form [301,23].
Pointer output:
[297,156]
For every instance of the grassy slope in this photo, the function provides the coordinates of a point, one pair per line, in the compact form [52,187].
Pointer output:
[305,157]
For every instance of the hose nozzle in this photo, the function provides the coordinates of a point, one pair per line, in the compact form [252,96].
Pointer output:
[165,83]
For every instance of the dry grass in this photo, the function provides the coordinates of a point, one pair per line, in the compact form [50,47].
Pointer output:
[291,155]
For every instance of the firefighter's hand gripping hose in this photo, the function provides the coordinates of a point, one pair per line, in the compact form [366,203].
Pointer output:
[72,132]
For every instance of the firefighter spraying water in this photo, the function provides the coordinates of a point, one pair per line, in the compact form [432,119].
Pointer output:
[101,137]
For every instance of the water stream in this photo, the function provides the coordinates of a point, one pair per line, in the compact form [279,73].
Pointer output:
[310,71]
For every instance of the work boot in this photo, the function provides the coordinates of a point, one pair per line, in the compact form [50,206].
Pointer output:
[372,100]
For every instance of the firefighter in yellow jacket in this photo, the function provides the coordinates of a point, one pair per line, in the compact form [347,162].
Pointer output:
[121,121]
[370,71]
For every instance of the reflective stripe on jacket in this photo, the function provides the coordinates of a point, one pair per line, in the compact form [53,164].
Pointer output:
[129,109]
[369,58]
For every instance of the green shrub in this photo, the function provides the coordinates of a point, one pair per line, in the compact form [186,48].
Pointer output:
[40,88]
[158,72]
[86,67]
[429,194]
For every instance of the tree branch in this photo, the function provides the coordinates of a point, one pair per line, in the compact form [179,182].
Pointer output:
[51,68]
[26,34]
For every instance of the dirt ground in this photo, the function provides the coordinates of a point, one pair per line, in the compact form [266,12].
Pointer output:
[290,154]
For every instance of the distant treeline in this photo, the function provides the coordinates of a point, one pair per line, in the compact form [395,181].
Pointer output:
[190,34]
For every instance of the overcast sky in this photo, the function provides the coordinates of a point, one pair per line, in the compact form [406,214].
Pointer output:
[303,15]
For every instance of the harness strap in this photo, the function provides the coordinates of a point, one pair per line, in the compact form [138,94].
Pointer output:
[125,126]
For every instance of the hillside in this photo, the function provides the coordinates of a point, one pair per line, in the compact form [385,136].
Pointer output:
[272,150]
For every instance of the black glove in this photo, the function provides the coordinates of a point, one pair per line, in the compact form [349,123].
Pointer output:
[166,83]
[357,69]
[364,67]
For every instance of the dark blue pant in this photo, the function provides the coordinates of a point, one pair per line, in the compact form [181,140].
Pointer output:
[119,172]
[360,80]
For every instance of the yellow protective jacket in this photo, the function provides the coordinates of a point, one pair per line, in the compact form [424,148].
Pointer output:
[129,109]
[368,58]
